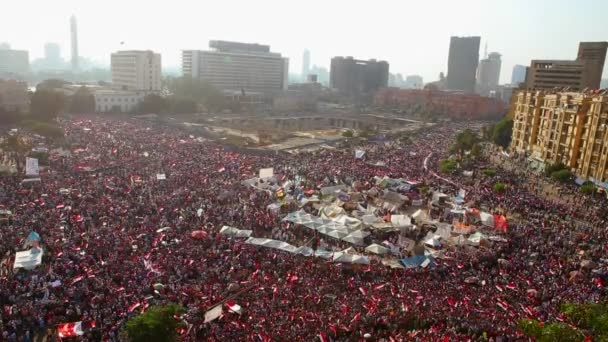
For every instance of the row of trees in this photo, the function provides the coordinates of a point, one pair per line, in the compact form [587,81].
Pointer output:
[499,133]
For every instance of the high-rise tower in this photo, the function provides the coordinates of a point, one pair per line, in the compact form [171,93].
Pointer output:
[74,40]
[305,65]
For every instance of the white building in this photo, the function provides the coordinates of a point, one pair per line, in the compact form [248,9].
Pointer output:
[14,61]
[238,66]
[136,70]
[117,101]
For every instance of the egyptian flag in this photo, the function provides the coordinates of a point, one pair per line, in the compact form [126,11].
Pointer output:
[74,329]
[234,307]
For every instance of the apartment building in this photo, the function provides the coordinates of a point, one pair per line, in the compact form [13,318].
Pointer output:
[563,127]
[13,95]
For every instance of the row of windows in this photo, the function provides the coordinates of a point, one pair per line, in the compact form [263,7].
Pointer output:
[120,99]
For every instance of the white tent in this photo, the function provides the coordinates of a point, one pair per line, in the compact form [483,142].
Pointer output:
[476,239]
[234,232]
[28,259]
[356,237]
[266,173]
[324,254]
[377,249]
[401,220]
[458,240]
[433,242]
[269,243]
[350,258]
[486,219]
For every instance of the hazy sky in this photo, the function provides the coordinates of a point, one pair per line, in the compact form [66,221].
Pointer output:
[413,36]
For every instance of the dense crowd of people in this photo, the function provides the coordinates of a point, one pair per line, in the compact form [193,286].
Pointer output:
[100,212]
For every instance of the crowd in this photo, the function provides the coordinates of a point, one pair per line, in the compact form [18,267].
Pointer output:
[103,242]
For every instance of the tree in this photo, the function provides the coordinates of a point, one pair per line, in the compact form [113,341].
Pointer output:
[550,169]
[588,320]
[152,104]
[489,172]
[447,166]
[476,151]
[348,133]
[46,104]
[500,187]
[157,324]
[182,105]
[588,188]
[51,84]
[196,90]
[562,175]
[501,134]
[82,101]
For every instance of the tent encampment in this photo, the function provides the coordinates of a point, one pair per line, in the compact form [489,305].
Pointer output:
[234,232]
[377,249]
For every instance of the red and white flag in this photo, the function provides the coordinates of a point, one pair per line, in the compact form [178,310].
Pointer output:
[234,307]
[74,329]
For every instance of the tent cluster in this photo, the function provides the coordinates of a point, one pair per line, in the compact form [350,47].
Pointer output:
[341,228]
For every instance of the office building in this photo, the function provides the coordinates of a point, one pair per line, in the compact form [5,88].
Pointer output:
[593,55]
[305,64]
[414,82]
[519,74]
[14,62]
[5,46]
[454,105]
[488,74]
[136,70]
[462,63]
[322,74]
[563,127]
[13,95]
[242,67]
[356,77]
[584,72]
[74,42]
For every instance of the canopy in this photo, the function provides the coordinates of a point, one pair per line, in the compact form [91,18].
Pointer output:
[476,239]
[377,249]
[356,237]
[276,244]
[350,258]
[234,232]
[487,219]
[33,236]
[433,242]
[417,261]
[401,220]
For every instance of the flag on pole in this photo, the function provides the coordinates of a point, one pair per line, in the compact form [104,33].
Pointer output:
[234,307]
[74,329]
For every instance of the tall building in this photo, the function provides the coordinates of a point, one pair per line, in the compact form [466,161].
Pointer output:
[74,42]
[242,67]
[414,82]
[14,62]
[356,77]
[488,73]
[462,63]
[519,74]
[13,95]
[322,74]
[563,127]
[136,70]
[584,72]
[305,64]
[5,46]
[593,55]
[52,52]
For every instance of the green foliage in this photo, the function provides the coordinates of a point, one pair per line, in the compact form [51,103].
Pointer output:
[49,130]
[82,101]
[587,319]
[486,132]
[348,133]
[51,84]
[466,140]
[196,90]
[43,157]
[447,166]
[500,187]
[153,104]
[553,168]
[489,172]
[588,189]
[9,117]
[157,324]
[562,176]
[46,104]
[14,144]
[502,131]
[476,151]
[179,105]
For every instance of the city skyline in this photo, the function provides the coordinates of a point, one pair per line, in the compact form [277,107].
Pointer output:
[165,30]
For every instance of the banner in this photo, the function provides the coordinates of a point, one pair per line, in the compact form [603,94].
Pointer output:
[161,176]
[31,167]
[266,173]
[359,154]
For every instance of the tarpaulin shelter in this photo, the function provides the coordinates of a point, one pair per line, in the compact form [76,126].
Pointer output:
[487,219]
[356,237]
[433,242]
[377,249]
[343,257]
[416,261]
[477,239]
[401,220]
[234,232]
[269,243]
[28,259]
